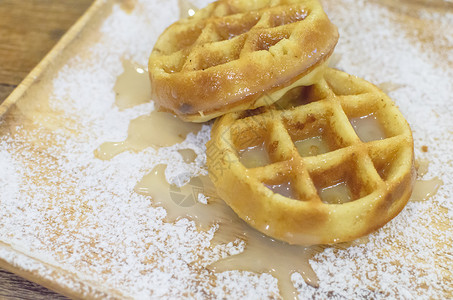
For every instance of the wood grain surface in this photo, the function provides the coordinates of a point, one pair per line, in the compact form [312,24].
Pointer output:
[28,31]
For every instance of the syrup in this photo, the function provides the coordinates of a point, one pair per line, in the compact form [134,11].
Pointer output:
[425,189]
[260,251]
[368,128]
[263,254]
[128,5]
[132,87]
[311,146]
[283,189]
[388,86]
[335,194]
[158,129]
[421,165]
[181,202]
[255,156]
[186,9]
[188,155]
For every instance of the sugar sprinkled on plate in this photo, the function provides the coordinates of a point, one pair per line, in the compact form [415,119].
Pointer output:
[64,207]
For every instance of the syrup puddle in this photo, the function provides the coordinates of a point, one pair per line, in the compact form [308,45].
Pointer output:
[266,255]
[186,9]
[388,86]
[158,129]
[368,128]
[255,156]
[188,155]
[283,189]
[261,254]
[336,194]
[132,87]
[311,146]
[424,189]
[128,5]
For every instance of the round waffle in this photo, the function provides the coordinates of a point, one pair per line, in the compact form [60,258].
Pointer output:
[228,54]
[321,176]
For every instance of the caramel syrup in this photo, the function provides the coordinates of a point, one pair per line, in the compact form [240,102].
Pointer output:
[424,189]
[261,253]
[283,189]
[132,87]
[186,9]
[368,128]
[335,194]
[128,5]
[312,146]
[255,156]
[158,129]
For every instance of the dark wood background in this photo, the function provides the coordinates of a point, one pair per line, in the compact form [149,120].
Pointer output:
[28,31]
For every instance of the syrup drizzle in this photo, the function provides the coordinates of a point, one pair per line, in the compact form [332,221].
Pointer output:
[158,129]
[128,5]
[312,146]
[368,128]
[186,9]
[255,156]
[388,86]
[283,189]
[260,251]
[424,189]
[335,194]
[132,87]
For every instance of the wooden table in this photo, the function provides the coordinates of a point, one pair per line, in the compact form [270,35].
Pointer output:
[28,31]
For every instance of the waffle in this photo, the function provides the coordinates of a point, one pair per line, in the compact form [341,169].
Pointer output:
[229,53]
[341,185]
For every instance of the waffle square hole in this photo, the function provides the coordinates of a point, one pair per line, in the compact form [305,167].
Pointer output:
[312,136]
[221,55]
[266,40]
[288,16]
[312,146]
[182,39]
[301,95]
[254,156]
[282,187]
[385,160]
[368,128]
[230,28]
[250,144]
[337,193]
[341,183]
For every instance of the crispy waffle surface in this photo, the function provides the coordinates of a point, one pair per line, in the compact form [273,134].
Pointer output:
[224,57]
[379,174]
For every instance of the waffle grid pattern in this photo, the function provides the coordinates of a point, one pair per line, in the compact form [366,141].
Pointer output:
[222,33]
[231,51]
[364,169]
[378,172]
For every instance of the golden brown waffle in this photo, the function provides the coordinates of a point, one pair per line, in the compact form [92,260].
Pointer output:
[312,197]
[224,57]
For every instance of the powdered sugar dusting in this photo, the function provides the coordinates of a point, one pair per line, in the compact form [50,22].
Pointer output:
[73,212]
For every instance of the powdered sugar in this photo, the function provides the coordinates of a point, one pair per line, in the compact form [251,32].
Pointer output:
[64,207]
